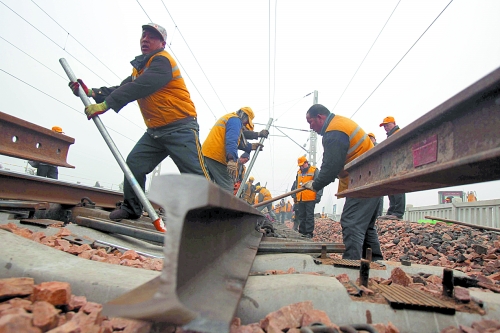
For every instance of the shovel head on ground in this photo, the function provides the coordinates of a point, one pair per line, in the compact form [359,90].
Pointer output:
[209,249]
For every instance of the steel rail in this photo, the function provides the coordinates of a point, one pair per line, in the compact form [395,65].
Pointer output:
[295,247]
[22,139]
[17,186]
[456,143]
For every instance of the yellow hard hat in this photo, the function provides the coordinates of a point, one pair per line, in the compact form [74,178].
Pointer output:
[372,135]
[251,179]
[301,160]
[258,188]
[248,111]
[57,129]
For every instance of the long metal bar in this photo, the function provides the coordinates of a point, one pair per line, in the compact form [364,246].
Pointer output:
[296,247]
[22,139]
[252,161]
[263,203]
[209,250]
[114,150]
[475,226]
[20,186]
[456,143]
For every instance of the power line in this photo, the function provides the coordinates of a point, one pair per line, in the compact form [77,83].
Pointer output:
[26,83]
[210,83]
[401,58]
[366,55]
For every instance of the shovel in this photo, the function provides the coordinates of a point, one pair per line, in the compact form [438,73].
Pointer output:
[157,222]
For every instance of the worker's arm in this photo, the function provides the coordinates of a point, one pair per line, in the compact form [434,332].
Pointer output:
[153,79]
[233,129]
[316,174]
[336,145]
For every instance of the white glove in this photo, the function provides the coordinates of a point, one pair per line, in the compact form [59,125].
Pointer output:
[309,185]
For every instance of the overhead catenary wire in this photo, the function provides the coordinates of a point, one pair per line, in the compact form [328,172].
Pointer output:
[404,55]
[366,55]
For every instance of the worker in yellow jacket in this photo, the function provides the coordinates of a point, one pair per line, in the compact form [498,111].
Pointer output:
[343,141]
[263,194]
[220,148]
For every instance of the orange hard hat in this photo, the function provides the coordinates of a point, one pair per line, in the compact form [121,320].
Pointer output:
[388,120]
[57,129]
[301,160]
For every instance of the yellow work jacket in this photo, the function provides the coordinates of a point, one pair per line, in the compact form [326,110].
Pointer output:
[249,196]
[306,195]
[214,146]
[265,192]
[171,103]
[359,143]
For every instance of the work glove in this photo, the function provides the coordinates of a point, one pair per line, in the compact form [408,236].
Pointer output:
[309,185]
[96,109]
[256,145]
[264,133]
[232,168]
[79,83]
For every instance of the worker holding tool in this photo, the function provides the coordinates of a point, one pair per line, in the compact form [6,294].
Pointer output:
[249,191]
[343,141]
[307,199]
[263,194]
[240,171]
[220,148]
[397,202]
[157,85]
[47,170]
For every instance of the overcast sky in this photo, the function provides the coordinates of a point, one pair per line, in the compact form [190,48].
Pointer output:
[367,60]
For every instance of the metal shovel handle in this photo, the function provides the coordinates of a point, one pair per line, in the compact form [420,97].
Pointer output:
[114,150]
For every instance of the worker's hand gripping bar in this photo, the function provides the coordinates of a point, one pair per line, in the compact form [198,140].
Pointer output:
[116,153]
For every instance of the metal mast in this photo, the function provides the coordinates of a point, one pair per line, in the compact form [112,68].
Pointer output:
[313,137]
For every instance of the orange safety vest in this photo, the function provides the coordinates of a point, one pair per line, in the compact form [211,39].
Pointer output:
[306,195]
[359,143]
[170,103]
[214,146]
[288,207]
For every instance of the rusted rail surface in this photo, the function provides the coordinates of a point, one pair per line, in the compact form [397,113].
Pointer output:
[22,139]
[457,143]
[17,186]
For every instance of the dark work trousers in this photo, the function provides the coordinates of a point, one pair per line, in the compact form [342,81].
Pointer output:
[49,171]
[182,145]
[282,217]
[397,203]
[380,208]
[306,217]
[358,228]
[219,173]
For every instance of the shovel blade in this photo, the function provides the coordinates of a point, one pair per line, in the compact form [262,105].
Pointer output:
[209,248]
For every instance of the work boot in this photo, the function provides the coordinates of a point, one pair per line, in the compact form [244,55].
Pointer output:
[121,214]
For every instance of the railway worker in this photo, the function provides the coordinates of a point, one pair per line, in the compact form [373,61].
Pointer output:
[220,148]
[240,171]
[47,170]
[307,199]
[397,202]
[372,138]
[248,191]
[343,140]
[157,85]
[263,194]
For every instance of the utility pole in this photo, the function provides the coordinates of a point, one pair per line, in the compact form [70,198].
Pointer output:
[313,137]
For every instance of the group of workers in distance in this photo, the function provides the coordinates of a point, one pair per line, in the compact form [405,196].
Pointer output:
[156,83]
